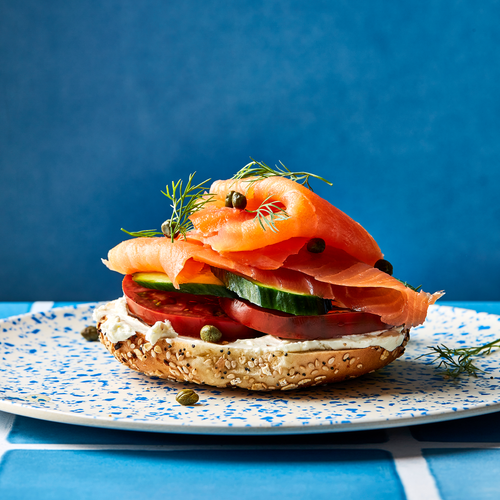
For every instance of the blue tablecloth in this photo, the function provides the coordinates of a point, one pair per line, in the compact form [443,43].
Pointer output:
[448,460]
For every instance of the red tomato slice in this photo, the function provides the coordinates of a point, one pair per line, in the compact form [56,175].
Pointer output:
[188,313]
[336,323]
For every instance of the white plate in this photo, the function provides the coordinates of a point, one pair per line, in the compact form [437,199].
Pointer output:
[49,371]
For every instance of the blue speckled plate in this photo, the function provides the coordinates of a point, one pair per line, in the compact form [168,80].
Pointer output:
[48,371]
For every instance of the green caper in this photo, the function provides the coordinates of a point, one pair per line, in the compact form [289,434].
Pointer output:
[187,397]
[90,333]
[316,245]
[229,199]
[210,333]
[166,228]
[384,266]
[239,200]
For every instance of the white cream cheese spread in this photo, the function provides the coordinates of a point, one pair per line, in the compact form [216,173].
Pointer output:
[121,325]
[160,330]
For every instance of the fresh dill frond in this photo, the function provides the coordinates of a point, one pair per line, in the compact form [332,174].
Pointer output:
[407,285]
[261,171]
[269,213]
[146,233]
[185,201]
[459,360]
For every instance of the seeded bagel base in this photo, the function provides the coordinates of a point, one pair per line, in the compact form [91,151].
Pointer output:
[217,365]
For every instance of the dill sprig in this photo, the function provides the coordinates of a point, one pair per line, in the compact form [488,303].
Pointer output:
[185,201]
[269,213]
[407,285]
[459,360]
[261,171]
[146,233]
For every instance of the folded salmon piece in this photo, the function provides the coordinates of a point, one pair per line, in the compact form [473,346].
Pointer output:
[184,259]
[333,274]
[309,216]
[364,288]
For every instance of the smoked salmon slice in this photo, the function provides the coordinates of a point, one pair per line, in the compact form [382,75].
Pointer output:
[333,274]
[183,262]
[364,288]
[184,259]
[309,216]
[269,257]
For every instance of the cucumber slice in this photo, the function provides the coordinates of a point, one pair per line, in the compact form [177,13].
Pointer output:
[273,298]
[209,285]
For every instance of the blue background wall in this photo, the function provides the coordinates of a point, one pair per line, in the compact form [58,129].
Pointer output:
[104,102]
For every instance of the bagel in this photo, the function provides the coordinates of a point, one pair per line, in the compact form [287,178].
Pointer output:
[258,284]
[263,364]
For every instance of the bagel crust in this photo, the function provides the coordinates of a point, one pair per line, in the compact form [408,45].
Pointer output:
[182,360]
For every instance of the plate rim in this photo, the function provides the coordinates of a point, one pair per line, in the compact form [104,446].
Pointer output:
[155,427]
